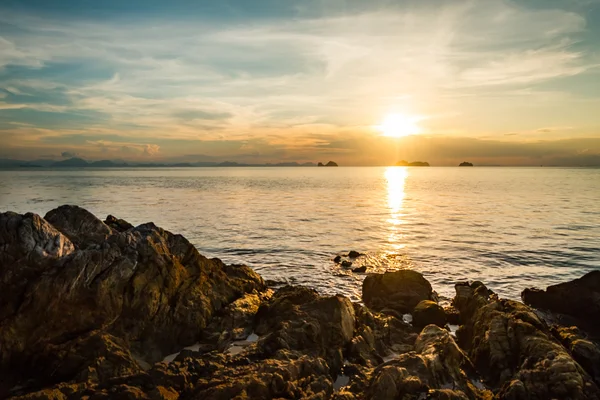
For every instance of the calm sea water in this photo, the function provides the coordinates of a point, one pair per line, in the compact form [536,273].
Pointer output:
[508,227]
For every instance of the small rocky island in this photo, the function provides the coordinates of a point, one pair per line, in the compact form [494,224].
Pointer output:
[329,164]
[93,309]
[465,164]
[404,163]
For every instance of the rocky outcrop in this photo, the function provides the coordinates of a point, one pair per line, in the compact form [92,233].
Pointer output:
[147,287]
[399,290]
[137,313]
[579,298]
[515,351]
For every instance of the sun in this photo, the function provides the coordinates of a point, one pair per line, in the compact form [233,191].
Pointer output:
[399,125]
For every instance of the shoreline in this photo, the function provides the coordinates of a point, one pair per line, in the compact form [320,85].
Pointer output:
[92,308]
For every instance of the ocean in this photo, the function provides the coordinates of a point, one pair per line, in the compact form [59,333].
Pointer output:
[510,228]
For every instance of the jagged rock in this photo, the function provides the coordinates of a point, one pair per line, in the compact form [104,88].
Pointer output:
[117,224]
[428,312]
[585,351]
[437,369]
[298,319]
[399,290]
[79,225]
[514,350]
[452,315]
[146,286]
[28,247]
[579,298]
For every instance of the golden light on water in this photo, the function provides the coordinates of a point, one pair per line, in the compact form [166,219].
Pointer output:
[396,179]
[399,125]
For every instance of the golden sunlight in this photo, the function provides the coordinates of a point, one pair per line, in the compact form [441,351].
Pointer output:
[399,125]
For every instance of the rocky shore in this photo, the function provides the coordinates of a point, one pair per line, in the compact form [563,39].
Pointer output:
[93,309]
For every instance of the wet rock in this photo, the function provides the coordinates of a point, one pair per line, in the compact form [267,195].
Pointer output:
[399,290]
[354,254]
[515,351]
[346,264]
[452,315]
[79,225]
[579,298]
[117,224]
[360,269]
[428,312]
[337,259]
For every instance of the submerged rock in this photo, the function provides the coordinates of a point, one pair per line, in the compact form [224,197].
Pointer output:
[362,268]
[399,290]
[354,254]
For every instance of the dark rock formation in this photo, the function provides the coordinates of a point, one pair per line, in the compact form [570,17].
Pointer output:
[346,264]
[362,268]
[465,164]
[95,321]
[428,312]
[354,254]
[579,298]
[399,290]
[337,259]
[79,225]
[117,224]
[515,351]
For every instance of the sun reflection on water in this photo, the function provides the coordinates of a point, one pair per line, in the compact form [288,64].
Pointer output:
[396,178]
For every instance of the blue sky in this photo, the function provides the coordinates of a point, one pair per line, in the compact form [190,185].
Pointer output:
[498,82]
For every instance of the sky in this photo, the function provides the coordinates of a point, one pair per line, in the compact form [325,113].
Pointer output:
[492,82]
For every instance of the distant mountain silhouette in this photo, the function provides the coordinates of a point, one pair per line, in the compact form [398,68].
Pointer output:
[465,164]
[329,164]
[404,163]
[71,162]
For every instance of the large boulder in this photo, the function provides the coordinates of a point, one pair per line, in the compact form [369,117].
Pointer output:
[79,225]
[579,298]
[398,290]
[146,286]
[515,351]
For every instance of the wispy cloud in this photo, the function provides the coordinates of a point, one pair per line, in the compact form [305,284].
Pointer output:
[279,79]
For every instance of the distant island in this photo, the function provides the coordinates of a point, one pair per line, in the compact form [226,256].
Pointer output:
[465,164]
[77,162]
[329,164]
[404,163]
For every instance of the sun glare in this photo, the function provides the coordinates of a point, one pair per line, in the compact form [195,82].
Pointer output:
[399,125]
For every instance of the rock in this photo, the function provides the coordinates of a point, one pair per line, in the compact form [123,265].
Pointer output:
[346,264]
[298,319]
[437,369]
[360,269]
[117,224]
[514,350]
[585,351]
[79,225]
[337,259]
[428,312]
[579,298]
[452,315]
[354,254]
[399,290]
[146,287]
